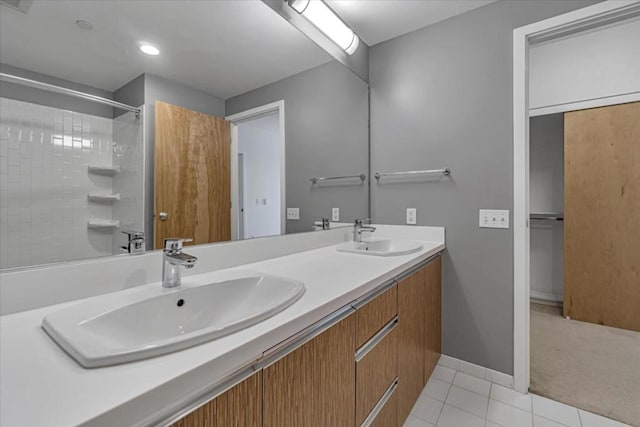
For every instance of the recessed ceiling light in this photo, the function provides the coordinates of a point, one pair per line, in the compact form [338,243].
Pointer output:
[149,50]
[84,25]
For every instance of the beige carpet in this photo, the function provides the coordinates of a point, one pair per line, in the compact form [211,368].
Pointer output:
[593,367]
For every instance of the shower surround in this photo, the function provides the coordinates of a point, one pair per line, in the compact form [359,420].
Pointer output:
[45,154]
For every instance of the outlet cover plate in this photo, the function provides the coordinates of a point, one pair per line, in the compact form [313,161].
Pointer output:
[411,216]
[293,213]
[494,218]
[335,214]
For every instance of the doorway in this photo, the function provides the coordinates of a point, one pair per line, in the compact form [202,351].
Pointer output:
[258,172]
[529,325]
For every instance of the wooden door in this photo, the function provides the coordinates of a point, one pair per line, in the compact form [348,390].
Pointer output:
[411,342]
[602,215]
[314,386]
[241,406]
[192,170]
[433,314]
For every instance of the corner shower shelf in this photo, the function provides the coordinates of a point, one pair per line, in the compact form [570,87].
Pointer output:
[97,197]
[104,170]
[103,223]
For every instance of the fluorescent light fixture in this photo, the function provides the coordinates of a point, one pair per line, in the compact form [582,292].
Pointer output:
[149,50]
[326,20]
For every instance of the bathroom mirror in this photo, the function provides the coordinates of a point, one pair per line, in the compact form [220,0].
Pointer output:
[229,124]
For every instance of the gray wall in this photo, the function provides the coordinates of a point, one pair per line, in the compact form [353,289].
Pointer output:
[326,131]
[51,99]
[442,96]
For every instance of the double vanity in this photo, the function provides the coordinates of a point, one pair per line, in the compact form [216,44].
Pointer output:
[325,332]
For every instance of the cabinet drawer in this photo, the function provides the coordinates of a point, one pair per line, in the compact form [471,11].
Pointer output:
[388,415]
[375,314]
[376,370]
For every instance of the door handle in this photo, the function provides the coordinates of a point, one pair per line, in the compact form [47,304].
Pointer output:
[163,216]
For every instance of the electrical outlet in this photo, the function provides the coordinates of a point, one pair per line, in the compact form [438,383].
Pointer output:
[494,218]
[411,216]
[335,214]
[293,213]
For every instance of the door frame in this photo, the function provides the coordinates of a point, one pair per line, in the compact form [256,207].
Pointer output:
[572,22]
[235,120]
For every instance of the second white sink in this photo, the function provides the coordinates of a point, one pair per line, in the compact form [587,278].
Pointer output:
[122,328]
[382,247]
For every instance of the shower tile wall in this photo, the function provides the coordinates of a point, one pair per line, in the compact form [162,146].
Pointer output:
[128,154]
[44,182]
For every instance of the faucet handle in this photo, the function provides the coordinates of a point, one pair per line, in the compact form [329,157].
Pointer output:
[359,221]
[174,244]
[134,234]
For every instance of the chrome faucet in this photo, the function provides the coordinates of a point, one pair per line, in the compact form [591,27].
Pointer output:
[172,259]
[359,228]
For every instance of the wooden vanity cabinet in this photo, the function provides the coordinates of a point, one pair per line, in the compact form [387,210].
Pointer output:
[433,313]
[419,333]
[315,384]
[240,406]
[377,356]
[371,366]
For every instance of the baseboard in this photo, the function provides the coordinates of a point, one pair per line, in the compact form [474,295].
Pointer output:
[476,370]
[545,296]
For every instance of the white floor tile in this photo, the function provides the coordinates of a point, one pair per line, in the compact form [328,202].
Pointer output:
[468,401]
[427,408]
[454,417]
[472,383]
[499,378]
[437,389]
[412,421]
[507,415]
[511,397]
[592,420]
[443,373]
[555,411]
[538,421]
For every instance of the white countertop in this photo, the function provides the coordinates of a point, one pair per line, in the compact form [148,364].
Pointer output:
[43,386]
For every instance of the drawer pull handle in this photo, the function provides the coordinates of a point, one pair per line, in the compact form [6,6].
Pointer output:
[379,336]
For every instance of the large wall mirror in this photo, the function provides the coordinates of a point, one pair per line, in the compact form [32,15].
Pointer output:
[221,122]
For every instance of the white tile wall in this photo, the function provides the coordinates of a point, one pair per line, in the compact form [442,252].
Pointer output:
[44,154]
[128,153]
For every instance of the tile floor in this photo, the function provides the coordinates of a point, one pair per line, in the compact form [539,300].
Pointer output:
[455,399]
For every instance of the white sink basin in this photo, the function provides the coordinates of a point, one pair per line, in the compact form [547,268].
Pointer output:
[128,326]
[383,247]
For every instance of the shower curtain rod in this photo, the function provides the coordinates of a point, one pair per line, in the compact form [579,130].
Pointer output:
[70,92]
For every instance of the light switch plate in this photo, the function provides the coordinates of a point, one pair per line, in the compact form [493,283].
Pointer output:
[335,214]
[411,216]
[293,213]
[494,218]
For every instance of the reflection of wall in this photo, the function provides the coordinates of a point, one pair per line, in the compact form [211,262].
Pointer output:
[259,143]
[128,155]
[51,99]
[44,154]
[442,96]
[546,181]
[326,130]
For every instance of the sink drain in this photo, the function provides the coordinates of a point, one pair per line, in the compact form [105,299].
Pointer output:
[180,302]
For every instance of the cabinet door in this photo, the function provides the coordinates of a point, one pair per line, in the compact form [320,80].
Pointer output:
[314,385]
[433,313]
[240,406]
[411,342]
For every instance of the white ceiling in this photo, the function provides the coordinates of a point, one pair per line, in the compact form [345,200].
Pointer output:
[224,48]
[376,21]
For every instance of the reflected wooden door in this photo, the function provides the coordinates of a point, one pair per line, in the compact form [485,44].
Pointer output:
[192,172]
[602,215]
